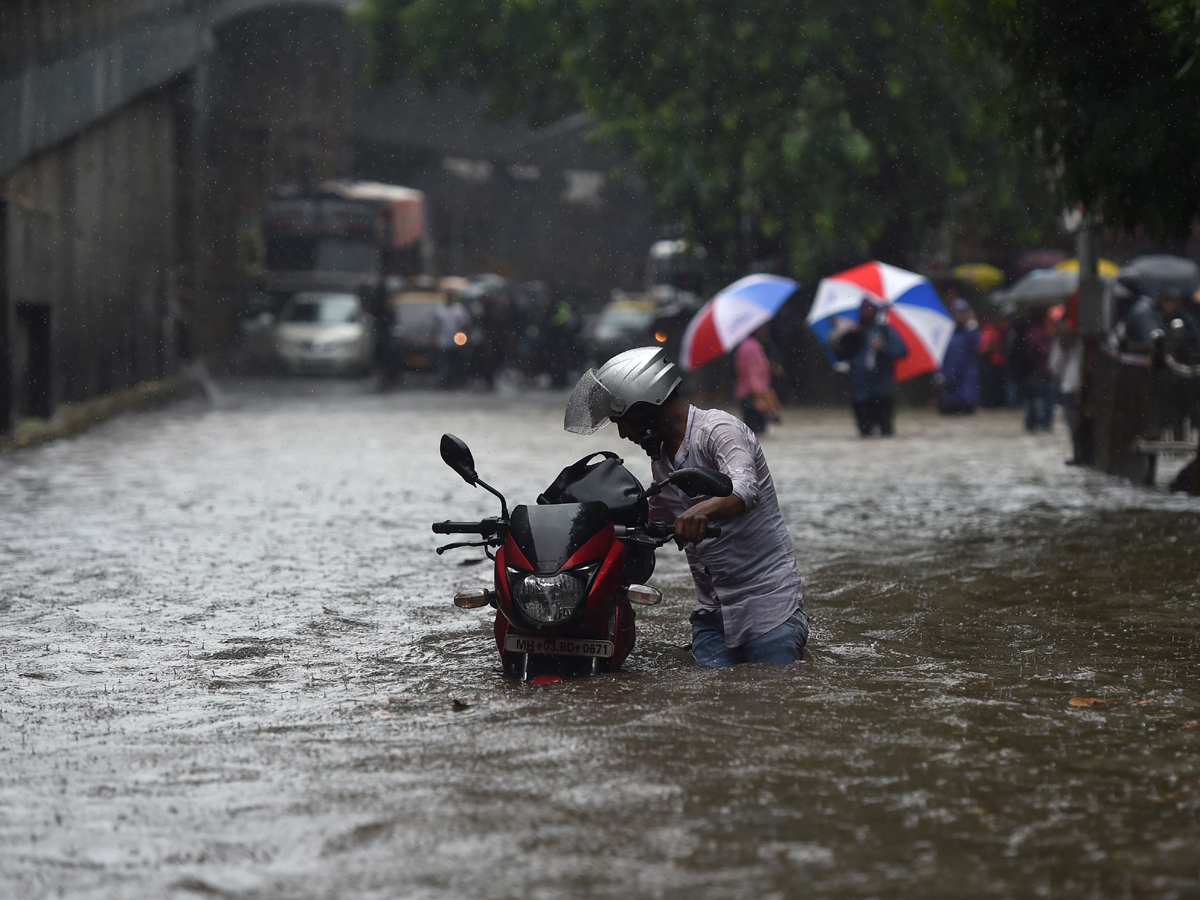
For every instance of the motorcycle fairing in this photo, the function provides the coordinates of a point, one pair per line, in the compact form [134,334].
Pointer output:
[548,536]
[602,550]
[607,614]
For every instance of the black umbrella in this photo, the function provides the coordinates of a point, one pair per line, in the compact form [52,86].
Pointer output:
[1156,273]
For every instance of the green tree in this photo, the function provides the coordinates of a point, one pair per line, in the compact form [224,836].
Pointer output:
[1105,93]
[828,130]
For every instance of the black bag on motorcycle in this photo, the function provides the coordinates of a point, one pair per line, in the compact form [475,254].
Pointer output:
[608,481]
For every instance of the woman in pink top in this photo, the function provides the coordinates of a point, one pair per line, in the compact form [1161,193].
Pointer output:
[753,388]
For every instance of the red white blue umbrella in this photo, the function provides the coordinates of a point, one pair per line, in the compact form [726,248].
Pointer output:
[732,316]
[914,310]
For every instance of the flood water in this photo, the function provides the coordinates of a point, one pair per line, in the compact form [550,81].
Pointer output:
[229,667]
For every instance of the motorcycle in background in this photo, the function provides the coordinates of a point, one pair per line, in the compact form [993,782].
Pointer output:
[568,569]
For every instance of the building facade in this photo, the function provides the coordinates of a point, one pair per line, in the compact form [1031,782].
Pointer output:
[139,138]
[136,139]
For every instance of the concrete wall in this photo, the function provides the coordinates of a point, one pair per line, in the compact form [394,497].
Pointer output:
[65,65]
[274,101]
[90,240]
[138,139]
[38,32]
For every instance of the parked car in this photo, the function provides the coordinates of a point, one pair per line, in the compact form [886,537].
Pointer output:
[325,332]
[412,331]
[658,316]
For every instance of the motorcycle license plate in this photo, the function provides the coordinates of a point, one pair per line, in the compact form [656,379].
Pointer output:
[516,643]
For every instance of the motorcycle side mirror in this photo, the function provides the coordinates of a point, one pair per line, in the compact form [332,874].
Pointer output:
[457,455]
[695,481]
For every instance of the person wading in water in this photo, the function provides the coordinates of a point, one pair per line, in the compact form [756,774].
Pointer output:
[871,349]
[749,596]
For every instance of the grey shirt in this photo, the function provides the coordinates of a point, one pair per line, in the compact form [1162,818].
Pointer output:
[748,573]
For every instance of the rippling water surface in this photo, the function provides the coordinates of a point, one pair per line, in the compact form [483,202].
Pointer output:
[229,666]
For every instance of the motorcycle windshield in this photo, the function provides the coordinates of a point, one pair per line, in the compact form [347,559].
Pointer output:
[589,405]
[550,535]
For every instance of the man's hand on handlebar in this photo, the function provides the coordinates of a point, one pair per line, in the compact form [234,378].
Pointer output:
[692,525]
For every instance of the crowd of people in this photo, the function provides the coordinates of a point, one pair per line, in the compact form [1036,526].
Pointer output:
[491,323]
[1165,328]
[1031,358]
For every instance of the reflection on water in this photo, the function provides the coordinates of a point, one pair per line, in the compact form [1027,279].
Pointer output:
[232,667]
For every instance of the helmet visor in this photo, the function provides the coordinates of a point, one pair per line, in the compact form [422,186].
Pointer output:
[589,406]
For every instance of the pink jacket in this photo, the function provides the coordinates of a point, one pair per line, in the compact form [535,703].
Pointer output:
[753,369]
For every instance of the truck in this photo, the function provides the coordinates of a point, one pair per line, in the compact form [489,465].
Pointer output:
[361,237]
[343,235]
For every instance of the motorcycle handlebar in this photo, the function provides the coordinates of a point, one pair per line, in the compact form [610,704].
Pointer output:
[659,530]
[664,531]
[482,528]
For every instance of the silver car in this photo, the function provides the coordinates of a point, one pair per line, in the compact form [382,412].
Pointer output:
[325,332]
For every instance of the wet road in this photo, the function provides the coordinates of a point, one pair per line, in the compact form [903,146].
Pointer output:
[229,666]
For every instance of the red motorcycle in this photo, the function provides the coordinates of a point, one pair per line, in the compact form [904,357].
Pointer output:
[568,569]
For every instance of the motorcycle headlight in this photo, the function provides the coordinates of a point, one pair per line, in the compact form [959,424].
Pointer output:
[549,598]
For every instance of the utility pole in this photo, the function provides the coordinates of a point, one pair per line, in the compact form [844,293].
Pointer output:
[1095,303]
[1093,319]
[6,372]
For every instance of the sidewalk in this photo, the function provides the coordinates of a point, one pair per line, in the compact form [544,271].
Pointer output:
[74,418]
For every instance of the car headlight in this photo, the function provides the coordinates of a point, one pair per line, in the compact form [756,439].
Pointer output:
[549,598]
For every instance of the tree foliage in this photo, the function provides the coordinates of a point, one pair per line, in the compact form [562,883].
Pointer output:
[824,129]
[1105,91]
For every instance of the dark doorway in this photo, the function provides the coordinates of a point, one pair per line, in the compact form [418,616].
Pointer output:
[31,361]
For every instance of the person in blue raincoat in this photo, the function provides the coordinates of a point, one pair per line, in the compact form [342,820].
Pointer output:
[959,376]
[871,349]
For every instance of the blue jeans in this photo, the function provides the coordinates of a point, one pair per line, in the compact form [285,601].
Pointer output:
[783,644]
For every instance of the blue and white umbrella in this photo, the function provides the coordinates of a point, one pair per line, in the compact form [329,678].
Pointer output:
[732,316]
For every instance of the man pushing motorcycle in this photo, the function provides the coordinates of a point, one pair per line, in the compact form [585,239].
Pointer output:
[749,597]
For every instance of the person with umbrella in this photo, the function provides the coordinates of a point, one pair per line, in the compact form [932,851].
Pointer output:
[845,317]
[871,347]
[736,319]
[752,390]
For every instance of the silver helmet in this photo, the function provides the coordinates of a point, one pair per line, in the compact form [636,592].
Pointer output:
[643,375]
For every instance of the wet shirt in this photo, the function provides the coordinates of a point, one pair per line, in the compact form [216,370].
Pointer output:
[748,573]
